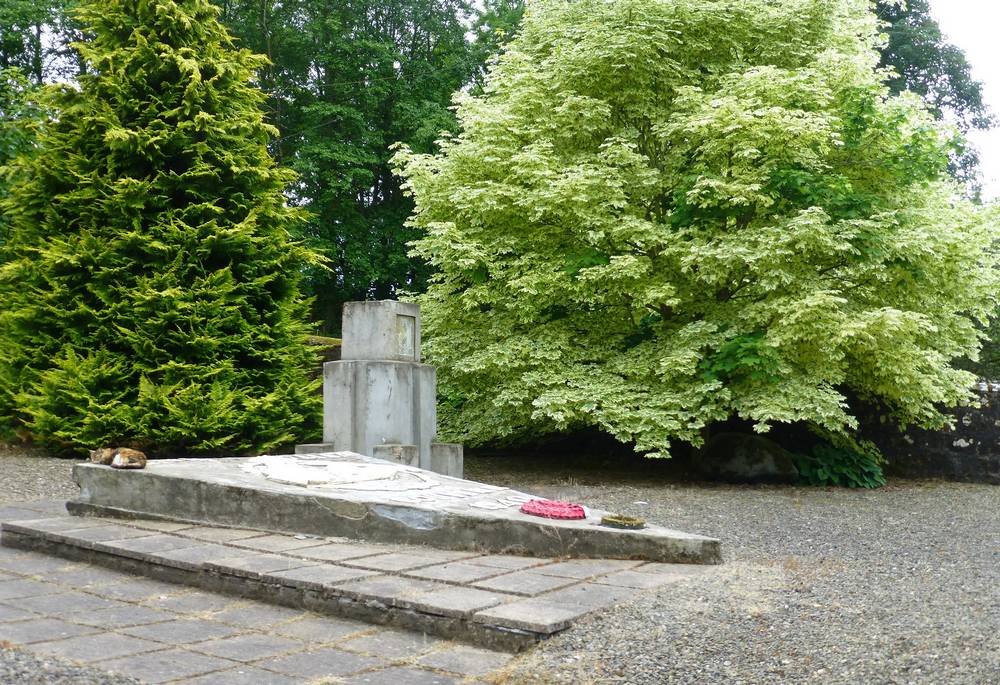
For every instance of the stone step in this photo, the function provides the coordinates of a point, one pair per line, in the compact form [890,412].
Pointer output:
[495,601]
[350,495]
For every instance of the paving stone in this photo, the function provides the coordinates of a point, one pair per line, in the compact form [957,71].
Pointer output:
[162,526]
[54,507]
[526,583]
[390,590]
[11,553]
[43,629]
[318,577]
[13,513]
[510,562]
[134,589]
[170,664]
[673,569]
[534,614]
[244,675]
[84,575]
[123,616]
[89,648]
[554,611]
[392,644]
[323,663]
[59,524]
[35,565]
[403,561]
[213,534]
[192,601]
[192,558]
[12,613]
[339,551]
[145,548]
[250,647]
[589,596]
[86,537]
[638,581]
[24,587]
[457,602]
[467,661]
[398,676]
[278,543]
[256,616]
[66,603]
[582,569]
[255,566]
[182,631]
[456,572]
[319,629]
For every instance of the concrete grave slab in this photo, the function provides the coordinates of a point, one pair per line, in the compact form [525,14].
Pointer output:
[342,494]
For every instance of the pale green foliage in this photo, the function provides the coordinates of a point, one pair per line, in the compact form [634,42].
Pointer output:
[666,213]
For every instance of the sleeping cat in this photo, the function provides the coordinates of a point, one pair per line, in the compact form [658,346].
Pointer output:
[119,457]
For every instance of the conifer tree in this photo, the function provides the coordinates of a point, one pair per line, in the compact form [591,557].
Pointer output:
[149,293]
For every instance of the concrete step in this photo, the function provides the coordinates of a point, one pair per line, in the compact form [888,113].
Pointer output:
[497,601]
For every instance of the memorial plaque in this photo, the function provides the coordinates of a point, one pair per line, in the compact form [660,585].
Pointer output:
[406,336]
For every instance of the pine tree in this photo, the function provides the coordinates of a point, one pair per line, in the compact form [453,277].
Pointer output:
[149,293]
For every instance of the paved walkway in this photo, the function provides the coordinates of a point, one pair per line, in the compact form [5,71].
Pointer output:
[490,600]
[165,633]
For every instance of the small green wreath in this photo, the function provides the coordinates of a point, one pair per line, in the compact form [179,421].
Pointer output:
[622,521]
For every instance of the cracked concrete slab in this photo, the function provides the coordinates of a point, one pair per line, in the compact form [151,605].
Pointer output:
[348,495]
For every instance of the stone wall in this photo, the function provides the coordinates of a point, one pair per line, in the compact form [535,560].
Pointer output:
[970,452]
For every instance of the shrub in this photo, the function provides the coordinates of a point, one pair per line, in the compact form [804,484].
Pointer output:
[840,466]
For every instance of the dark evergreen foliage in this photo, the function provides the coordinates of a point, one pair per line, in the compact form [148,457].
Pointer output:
[926,64]
[349,80]
[18,117]
[150,291]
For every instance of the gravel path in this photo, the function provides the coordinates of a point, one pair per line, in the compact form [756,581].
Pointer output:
[900,585]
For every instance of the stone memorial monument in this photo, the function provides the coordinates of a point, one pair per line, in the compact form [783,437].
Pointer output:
[379,399]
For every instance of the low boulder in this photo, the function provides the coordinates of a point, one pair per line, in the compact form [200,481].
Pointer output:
[745,458]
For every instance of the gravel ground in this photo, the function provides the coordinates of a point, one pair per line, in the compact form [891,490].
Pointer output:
[900,585]
[29,475]
[18,667]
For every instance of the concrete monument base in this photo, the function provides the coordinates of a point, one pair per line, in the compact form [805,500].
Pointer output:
[349,495]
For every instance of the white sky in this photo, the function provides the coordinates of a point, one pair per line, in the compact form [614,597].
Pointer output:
[972,25]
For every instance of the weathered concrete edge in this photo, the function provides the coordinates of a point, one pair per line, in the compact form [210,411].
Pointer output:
[172,497]
[365,610]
